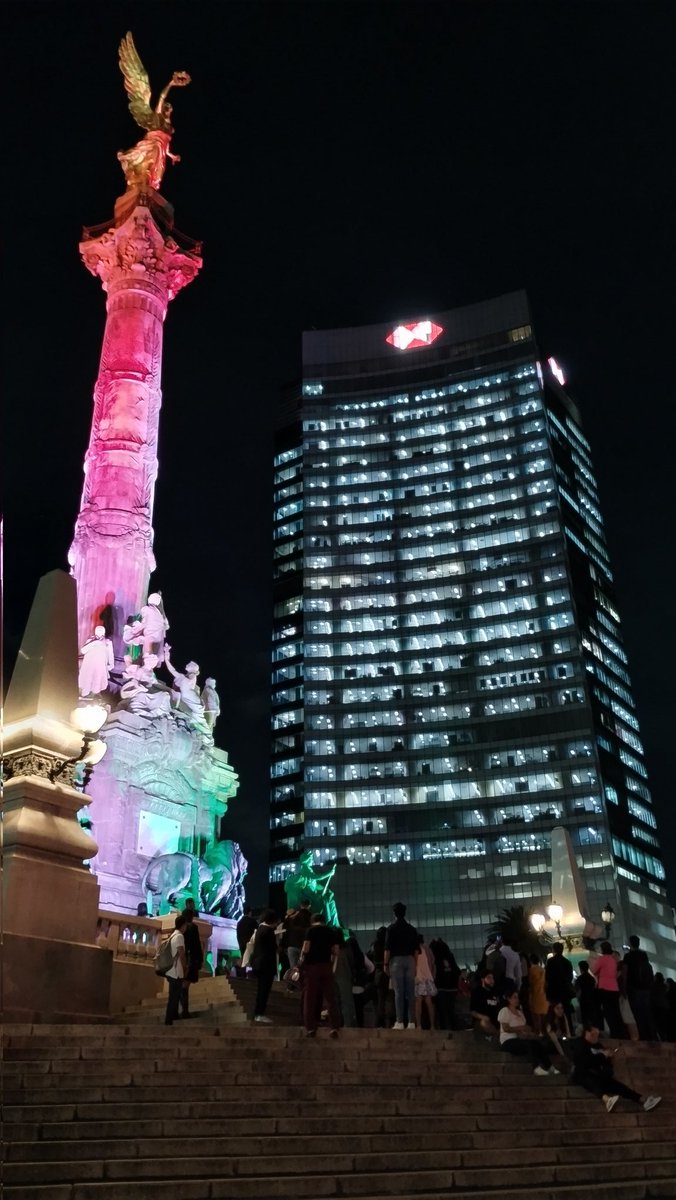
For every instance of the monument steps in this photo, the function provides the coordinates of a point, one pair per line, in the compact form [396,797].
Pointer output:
[284,1006]
[212,999]
[101,1114]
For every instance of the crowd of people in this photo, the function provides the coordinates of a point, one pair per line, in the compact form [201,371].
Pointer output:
[555,1018]
[532,1007]
[403,981]
[408,983]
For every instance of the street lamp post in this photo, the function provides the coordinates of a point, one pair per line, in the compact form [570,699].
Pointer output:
[555,913]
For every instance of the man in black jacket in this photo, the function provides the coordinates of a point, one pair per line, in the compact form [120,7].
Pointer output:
[639,988]
[593,1070]
[559,978]
[193,953]
[401,950]
[264,964]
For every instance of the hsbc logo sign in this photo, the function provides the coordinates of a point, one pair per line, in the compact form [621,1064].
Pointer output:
[414,336]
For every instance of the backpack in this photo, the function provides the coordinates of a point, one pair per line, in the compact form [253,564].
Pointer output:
[164,958]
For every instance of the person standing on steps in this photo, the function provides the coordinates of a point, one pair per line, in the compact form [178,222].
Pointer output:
[298,924]
[512,965]
[559,978]
[317,961]
[639,978]
[593,1070]
[585,988]
[194,955]
[604,967]
[245,929]
[177,971]
[401,950]
[425,985]
[264,964]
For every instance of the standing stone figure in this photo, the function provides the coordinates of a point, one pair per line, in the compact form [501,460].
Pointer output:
[211,702]
[97,662]
[155,625]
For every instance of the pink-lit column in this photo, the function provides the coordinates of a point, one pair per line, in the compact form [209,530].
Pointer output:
[141,269]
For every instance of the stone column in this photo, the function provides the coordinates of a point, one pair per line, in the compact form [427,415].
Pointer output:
[141,269]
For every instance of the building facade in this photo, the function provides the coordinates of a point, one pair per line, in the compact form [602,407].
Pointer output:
[448,676]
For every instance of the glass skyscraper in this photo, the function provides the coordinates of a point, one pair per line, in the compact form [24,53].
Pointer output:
[448,676]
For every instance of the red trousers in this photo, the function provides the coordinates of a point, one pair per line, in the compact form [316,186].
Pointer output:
[319,991]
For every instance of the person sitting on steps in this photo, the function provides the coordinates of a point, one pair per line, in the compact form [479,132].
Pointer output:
[518,1039]
[593,1070]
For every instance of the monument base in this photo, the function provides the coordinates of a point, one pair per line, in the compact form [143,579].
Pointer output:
[157,799]
[48,981]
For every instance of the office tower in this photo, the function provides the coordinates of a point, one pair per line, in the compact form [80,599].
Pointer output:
[449,681]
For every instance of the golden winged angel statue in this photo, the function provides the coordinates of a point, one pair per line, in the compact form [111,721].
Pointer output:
[144,164]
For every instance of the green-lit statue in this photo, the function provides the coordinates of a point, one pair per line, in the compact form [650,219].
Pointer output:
[308,884]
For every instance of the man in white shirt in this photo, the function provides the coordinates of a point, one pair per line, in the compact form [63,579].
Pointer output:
[177,971]
[512,964]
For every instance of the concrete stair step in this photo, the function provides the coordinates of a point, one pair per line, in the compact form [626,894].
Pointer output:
[260,1155]
[100,1113]
[653,1177]
[115,1106]
[482,1131]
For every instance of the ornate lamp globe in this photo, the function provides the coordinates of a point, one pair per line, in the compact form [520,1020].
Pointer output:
[89,718]
[554,912]
[608,914]
[537,920]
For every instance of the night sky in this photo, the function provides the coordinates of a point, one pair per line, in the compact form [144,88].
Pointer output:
[343,164]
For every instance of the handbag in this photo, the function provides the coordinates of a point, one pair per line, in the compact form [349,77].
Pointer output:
[248,950]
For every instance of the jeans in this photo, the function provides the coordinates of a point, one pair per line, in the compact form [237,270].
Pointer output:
[610,1007]
[265,982]
[402,974]
[531,1048]
[602,1083]
[319,987]
[446,1008]
[641,1005]
[175,990]
[293,954]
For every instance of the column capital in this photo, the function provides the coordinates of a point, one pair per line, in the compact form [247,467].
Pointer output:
[138,255]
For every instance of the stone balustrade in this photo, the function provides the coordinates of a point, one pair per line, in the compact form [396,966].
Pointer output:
[132,939]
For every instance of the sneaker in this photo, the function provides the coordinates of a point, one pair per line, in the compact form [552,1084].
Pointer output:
[540,1071]
[310,1032]
[651,1102]
[553,1071]
[333,1034]
[398,1025]
[611,1102]
[262,1020]
[411,1025]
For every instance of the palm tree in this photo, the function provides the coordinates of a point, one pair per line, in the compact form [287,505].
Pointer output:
[513,924]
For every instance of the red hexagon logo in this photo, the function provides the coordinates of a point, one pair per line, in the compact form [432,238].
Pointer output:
[414,336]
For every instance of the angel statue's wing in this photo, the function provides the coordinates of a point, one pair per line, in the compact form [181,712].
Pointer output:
[137,84]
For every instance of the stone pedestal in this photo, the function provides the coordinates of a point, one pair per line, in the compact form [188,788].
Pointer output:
[162,788]
[52,968]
